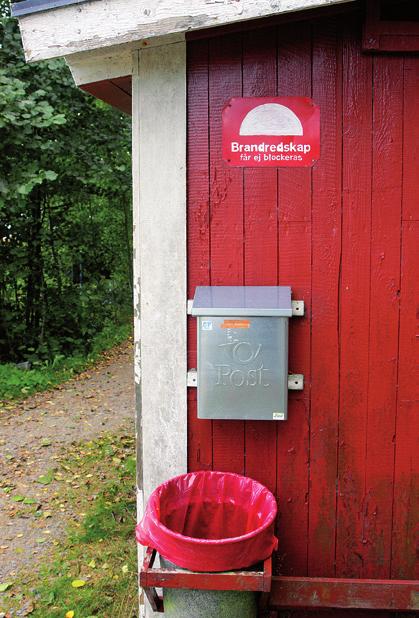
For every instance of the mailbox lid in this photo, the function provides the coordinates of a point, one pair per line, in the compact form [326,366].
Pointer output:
[235,300]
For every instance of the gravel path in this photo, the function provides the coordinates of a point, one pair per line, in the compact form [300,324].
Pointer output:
[34,433]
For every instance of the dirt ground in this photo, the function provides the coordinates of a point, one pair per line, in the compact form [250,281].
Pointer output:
[34,433]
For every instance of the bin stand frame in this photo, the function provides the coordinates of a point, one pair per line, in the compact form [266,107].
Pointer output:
[280,592]
[247,581]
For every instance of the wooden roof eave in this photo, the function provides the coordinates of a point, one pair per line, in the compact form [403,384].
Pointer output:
[99,24]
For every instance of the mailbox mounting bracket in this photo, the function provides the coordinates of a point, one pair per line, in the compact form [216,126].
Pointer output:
[295,380]
[192,378]
[297,308]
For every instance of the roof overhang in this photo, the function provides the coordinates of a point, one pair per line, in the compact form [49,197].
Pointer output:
[54,28]
[27,7]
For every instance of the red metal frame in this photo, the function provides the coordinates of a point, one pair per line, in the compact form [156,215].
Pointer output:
[150,579]
[286,592]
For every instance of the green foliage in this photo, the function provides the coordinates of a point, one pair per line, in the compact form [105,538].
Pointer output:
[93,571]
[105,536]
[65,210]
[17,384]
[4,8]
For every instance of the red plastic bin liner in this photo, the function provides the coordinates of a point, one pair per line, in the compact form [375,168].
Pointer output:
[210,521]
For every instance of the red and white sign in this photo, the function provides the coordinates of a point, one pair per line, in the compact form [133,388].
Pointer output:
[271,132]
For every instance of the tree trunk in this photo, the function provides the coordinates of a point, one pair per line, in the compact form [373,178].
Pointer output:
[35,269]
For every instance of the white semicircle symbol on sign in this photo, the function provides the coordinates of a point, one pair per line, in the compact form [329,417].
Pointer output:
[271,119]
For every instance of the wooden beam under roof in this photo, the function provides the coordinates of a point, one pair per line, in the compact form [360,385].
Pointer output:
[116,92]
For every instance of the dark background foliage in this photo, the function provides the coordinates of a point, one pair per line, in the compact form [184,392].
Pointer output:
[65,208]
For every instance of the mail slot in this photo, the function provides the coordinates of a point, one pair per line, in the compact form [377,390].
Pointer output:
[242,351]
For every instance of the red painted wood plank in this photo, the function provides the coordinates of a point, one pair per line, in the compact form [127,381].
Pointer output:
[294,267]
[260,236]
[294,79]
[327,93]
[111,94]
[384,314]
[199,430]
[405,542]
[354,303]
[411,138]
[226,212]
[124,83]
[344,594]
[292,491]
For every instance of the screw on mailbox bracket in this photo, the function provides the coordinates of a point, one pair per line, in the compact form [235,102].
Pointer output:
[297,307]
[295,382]
[192,378]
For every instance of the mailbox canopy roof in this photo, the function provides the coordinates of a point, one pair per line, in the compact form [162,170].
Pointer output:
[236,300]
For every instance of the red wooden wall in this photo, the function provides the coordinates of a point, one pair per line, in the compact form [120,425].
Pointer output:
[344,235]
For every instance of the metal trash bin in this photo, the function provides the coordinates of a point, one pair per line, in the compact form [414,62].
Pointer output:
[184,603]
[208,523]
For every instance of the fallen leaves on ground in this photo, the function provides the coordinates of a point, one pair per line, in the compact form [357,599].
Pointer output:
[46,479]
[78,583]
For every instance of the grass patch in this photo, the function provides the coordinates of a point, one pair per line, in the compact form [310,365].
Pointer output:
[93,570]
[17,383]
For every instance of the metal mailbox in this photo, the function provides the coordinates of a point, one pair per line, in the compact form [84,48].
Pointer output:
[242,351]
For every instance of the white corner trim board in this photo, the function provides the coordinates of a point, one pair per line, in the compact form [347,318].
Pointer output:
[111,62]
[94,25]
[159,174]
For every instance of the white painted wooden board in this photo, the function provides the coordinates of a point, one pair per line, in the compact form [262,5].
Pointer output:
[159,155]
[137,321]
[136,273]
[159,203]
[98,24]
[111,62]
[90,67]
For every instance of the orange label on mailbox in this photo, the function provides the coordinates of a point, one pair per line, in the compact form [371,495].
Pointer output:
[236,324]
